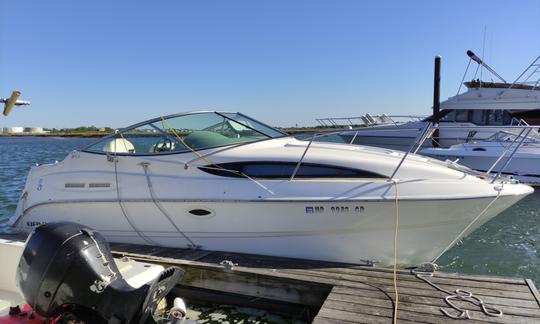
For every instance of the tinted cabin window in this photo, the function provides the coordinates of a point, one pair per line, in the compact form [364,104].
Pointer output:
[462,115]
[448,115]
[479,117]
[283,170]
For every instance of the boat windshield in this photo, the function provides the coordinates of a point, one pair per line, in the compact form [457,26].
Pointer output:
[507,136]
[184,133]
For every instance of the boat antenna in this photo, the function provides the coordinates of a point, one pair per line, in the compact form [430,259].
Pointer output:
[482,63]
[12,101]
[483,54]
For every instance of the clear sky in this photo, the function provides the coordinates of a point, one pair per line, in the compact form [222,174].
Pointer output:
[114,63]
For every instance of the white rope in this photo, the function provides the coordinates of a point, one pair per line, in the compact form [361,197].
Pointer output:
[161,209]
[124,212]
[458,237]
[458,295]
[205,158]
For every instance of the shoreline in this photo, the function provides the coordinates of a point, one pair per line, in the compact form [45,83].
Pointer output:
[290,131]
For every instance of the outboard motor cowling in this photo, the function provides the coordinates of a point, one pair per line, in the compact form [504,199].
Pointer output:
[68,268]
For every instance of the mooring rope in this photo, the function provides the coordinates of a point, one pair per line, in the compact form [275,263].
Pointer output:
[207,160]
[161,209]
[458,237]
[122,208]
[396,230]
[459,294]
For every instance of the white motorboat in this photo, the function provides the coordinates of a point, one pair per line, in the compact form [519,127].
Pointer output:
[482,104]
[224,181]
[500,153]
[65,271]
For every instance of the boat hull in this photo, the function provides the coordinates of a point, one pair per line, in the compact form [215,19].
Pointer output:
[340,231]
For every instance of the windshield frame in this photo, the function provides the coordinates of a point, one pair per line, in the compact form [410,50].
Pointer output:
[191,150]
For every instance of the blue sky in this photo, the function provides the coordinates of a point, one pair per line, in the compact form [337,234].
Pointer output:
[113,63]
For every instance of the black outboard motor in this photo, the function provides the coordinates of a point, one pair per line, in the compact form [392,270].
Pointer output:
[68,268]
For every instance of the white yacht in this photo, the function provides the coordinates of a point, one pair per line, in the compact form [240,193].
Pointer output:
[501,153]
[224,181]
[486,104]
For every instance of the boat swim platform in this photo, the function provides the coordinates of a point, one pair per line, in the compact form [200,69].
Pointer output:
[326,292]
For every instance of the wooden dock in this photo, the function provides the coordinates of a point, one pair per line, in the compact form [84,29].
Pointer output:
[325,292]
[339,293]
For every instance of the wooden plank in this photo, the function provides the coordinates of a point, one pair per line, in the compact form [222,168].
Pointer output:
[474,311]
[437,278]
[450,275]
[533,289]
[415,284]
[282,289]
[324,280]
[422,293]
[324,320]
[272,262]
[435,301]
[403,314]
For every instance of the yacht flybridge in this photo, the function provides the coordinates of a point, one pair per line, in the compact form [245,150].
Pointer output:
[483,103]
[224,181]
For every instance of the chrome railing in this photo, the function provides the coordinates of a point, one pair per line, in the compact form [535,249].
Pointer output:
[521,134]
[367,120]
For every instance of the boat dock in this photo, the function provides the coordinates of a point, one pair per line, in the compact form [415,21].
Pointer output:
[325,292]
[333,293]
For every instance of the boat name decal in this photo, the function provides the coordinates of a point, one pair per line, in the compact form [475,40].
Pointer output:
[334,209]
[34,223]
[314,209]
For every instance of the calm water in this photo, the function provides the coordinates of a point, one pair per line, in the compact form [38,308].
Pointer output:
[508,245]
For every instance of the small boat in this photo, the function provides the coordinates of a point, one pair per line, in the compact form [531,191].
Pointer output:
[499,153]
[484,104]
[227,182]
[65,271]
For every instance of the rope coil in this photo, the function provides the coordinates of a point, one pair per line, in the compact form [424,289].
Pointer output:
[457,295]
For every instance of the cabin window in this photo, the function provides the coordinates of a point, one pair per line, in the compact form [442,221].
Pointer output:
[462,115]
[448,115]
[284,170]
[478,117]
[495,117]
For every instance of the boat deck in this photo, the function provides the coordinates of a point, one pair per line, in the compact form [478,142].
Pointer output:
[334,293]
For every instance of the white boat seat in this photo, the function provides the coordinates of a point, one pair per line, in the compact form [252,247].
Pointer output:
[119,145]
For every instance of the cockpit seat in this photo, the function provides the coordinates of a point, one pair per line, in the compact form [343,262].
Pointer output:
[119,145]
[201,139]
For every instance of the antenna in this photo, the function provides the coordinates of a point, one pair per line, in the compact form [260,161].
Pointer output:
[483,54]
